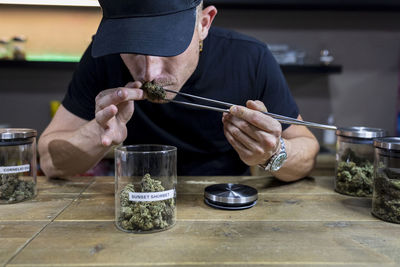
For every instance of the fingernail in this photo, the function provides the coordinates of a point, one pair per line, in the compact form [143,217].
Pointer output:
[104,141]
[234,109]
[119,93]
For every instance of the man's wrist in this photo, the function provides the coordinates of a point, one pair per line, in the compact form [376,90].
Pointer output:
[277,159]
[278,147]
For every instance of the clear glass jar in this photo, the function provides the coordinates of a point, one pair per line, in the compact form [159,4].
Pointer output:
[386,195]
[18,47]
[145,181]
[17,165]
[4,52]
[354,160]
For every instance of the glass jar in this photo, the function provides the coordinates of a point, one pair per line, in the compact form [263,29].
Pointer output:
[386,195]
[17,165]
[145,181]
[18,47]
[4,49]
[354,160]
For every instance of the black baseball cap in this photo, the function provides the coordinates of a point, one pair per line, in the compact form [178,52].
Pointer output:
[149,27]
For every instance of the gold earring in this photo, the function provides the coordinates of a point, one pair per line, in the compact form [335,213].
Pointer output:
[201,45]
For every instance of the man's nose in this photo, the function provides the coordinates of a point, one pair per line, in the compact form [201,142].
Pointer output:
[153,68]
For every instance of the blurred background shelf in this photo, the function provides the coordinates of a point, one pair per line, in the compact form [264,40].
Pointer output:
[369,5]
[71,64]
[352,5]
[311,68]
[13,64]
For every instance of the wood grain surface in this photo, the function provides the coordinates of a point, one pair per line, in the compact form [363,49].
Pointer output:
[305,223]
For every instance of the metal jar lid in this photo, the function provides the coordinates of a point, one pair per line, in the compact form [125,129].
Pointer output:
[391,143]
[230,196]
[16,133]
[361,132]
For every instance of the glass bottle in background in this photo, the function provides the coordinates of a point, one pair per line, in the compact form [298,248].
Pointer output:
[18,47]
[325,57]
[54,105]
[4,49]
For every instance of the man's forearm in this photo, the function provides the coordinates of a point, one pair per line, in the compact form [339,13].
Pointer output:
[301,152]
[67,153]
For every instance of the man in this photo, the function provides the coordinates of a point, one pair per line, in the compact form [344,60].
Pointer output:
[165,42]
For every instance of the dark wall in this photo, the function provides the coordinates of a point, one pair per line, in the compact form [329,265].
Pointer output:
[366,44]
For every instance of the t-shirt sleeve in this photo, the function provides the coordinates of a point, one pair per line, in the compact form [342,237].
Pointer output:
[84,87]
[274,90]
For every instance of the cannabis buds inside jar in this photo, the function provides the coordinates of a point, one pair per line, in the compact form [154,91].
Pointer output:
[17,165]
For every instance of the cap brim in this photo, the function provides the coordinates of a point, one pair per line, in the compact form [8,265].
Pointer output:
[167,35]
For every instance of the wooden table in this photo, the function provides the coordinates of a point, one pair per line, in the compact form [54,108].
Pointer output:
[71,223]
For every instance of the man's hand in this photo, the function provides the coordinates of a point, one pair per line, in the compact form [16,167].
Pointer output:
[254,136]
[114,108]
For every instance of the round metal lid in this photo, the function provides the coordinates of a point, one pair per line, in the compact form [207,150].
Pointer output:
[230,195]
[391,143]
[15,133]
[361,132]
[225,207]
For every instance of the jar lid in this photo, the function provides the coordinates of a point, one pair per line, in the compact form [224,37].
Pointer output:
[15,133]
[230,196]
[392,143]
[361,132]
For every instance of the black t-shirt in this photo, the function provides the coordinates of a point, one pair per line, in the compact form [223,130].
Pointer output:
[232,68]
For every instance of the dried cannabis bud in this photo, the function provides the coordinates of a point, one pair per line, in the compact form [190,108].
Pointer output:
[386,202]
[153,91]
[12,189]
[354,175]
[145,216]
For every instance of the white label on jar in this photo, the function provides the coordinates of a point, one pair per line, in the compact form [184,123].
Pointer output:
[15,169]
[151,196]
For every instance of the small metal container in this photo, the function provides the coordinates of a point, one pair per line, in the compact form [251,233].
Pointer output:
[386,194]
[230,196]
[17,165]
[354,160]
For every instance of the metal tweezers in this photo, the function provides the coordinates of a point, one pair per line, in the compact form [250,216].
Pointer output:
[280,118]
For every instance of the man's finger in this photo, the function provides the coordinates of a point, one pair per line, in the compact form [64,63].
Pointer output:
[117,96]
[105,141]
[135,84]
[240,148]
[256,118]
[240,136]
[251,130]
[133,94]
[256,105]
[104,115]
[107,138]
[125,111]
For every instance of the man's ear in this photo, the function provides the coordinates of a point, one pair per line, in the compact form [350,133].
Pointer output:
[205,20]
